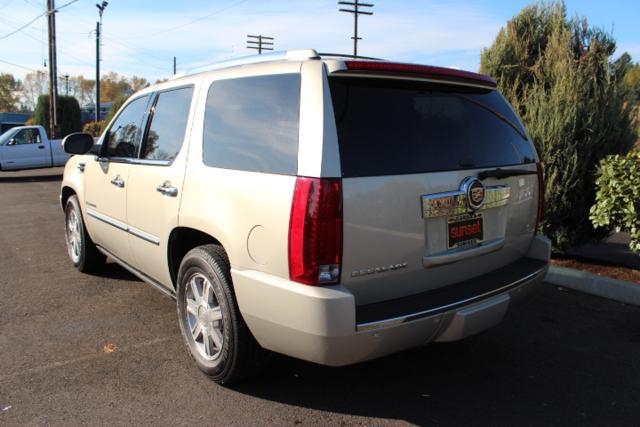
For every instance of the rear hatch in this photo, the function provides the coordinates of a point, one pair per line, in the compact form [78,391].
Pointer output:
[416,154]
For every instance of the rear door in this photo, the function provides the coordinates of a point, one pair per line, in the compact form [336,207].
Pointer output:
[412,157]
[155,181]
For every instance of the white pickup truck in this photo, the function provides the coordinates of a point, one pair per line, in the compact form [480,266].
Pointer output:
[28,147]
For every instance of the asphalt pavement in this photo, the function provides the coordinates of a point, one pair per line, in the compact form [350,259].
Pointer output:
[106,349]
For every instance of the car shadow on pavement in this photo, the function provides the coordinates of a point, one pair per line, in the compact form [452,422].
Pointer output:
[542,365]
[112,270]
[34,178]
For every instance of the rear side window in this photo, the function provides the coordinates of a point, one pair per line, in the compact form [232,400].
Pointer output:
[393,127]
[123,139]
[251,124]
[168,124]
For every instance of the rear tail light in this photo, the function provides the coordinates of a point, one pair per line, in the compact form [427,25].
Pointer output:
[540,197]
[315,231]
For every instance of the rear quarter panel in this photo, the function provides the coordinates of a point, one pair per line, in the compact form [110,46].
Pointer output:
[247,212]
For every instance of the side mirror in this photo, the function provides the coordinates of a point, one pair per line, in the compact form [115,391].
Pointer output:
[12,141]
[77,143]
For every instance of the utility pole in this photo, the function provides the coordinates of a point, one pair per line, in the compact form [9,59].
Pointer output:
[356,12]
[53,77]
[258,42]
[66,80]
[174,65]
[101,7]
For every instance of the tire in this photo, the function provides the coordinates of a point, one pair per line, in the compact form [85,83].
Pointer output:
[80,248]
[216,335]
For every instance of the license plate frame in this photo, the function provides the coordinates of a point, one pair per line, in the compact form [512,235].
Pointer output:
[465,230]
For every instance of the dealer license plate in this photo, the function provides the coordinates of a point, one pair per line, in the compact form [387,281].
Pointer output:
[464,230]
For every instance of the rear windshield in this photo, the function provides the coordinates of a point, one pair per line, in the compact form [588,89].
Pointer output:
[393,127]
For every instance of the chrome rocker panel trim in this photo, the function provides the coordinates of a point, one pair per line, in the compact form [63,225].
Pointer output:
[124,227]
[139,274]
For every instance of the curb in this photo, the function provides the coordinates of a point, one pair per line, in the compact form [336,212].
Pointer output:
[618,290]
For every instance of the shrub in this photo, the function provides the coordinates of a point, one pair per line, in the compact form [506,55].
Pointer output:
[558,75]
[68,112]
[617,204]
[93,128]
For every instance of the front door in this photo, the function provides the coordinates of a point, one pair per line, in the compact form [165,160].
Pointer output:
[25,151]
[155,189]
[107,180]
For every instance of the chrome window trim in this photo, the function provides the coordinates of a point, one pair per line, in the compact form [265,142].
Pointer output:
[395,321]
[133,161]
[149,122]
[124,227]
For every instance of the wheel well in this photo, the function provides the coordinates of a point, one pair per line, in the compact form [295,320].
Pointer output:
[65,194]
[181,241]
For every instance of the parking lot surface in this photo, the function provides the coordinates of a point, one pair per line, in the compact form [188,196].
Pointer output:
[106,349]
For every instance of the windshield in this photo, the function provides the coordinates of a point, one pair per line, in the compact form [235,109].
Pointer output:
[392,127]
[5,137]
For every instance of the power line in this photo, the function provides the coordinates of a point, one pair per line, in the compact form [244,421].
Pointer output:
[18,65]
[125,44]
[23,27]
[6,4]
[80,61]
[193,21]
[35,19]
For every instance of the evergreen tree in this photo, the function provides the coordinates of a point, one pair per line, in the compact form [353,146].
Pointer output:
[558,74]
[68,113]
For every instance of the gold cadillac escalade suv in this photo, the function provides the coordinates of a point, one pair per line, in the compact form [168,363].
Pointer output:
[330,208]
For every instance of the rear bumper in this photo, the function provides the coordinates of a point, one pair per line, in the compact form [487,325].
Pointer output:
[323,324]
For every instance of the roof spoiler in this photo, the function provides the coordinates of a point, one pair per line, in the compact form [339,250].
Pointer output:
[419,70]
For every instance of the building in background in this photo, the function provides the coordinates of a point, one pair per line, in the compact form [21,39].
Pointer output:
[89,111]
[11,120]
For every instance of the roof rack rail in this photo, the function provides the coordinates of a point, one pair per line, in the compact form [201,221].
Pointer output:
[285,55]
[346,55]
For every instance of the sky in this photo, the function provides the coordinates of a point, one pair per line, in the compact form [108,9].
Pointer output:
[141,37]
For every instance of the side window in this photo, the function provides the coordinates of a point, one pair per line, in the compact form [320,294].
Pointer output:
[168,124]
[251,124]
[123,138]
[27,136]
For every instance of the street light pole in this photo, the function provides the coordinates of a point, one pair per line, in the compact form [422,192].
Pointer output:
[101,7]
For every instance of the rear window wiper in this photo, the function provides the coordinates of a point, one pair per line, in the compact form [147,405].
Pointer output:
[504,173]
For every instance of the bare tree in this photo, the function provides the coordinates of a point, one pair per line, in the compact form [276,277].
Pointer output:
[33,85]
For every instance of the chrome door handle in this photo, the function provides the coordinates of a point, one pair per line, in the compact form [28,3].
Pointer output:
[118,182]
[167,190]
[81,166]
